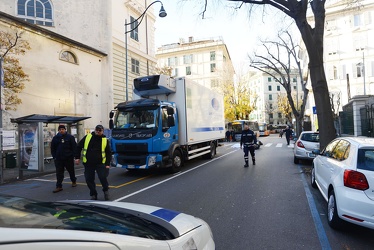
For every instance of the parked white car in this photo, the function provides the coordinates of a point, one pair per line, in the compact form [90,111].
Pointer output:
[304,145]
[344,174]
[91,225]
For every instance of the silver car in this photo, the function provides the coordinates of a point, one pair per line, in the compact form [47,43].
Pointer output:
[304,145]
[90,225]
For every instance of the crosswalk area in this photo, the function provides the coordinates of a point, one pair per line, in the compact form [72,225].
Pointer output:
[267,145]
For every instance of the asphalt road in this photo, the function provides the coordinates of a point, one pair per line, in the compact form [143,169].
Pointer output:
[267,206]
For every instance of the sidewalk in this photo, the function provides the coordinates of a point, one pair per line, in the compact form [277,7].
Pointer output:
[9,175]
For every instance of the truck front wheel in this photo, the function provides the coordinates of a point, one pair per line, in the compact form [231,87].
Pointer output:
[212,152]
[177,162]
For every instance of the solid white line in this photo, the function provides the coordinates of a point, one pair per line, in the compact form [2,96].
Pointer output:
[177,175]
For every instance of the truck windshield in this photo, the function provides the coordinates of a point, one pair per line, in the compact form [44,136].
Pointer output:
[136,118]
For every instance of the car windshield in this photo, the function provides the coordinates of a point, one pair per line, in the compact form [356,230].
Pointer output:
[16,212]
[311,137]
[365,159]
[136,118]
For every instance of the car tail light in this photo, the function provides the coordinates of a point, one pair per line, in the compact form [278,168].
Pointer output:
[356,180]
[300,144]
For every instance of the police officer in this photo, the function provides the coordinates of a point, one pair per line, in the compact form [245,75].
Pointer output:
[96,158]
[248,140]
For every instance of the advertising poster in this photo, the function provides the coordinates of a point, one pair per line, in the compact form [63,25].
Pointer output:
[29,146]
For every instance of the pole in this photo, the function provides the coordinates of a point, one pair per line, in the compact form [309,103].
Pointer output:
[1,117]
[127,69]
[363,70]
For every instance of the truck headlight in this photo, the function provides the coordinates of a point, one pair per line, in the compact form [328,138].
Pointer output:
[151,160]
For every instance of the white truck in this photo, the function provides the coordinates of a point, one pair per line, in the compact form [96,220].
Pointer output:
[170,121]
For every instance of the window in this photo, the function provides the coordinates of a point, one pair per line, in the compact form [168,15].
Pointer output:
[212,67]
[359,69]
[174,72]
[134,34]
[188,70]
[269,79]
[214,83]
[135,66]
[269,87]
[187,59]
[212,56]
[270,97]
[35,11]
[278,88]
[357,20]
[341,151]
[279,115]
[270,106]
[342,72]
[271,116]
[294,79]
[331,25]
[68,57]
[172,61]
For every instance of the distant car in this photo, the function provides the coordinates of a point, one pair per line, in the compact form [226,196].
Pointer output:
[304,145]
[344,174]
[94,225]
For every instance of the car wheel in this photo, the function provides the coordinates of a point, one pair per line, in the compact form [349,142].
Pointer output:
[332,212]
[295,160]
[313,178]
[177,162]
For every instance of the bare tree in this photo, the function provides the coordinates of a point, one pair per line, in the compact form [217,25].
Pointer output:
[277,63]
[313,40]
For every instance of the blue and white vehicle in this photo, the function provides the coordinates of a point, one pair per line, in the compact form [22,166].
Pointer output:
[170,121]
[98,225]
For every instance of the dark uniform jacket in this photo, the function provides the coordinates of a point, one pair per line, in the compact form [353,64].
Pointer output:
[248,137]
[63,146]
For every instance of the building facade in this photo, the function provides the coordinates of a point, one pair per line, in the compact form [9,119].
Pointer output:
[92,35]
[206,61]
[268,90]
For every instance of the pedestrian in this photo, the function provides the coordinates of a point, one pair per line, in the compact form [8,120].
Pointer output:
[287,131]
[96,158]
[227,135]
[232,135]
[248,140]
[63,146]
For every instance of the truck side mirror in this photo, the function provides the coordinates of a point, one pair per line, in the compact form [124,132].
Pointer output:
[170,110]
[171,121]
[111,122]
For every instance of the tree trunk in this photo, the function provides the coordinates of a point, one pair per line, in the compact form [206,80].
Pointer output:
[322,100]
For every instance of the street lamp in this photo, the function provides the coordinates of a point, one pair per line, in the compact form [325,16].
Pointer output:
[162,13]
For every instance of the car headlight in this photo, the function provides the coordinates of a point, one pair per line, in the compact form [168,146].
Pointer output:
[151,160]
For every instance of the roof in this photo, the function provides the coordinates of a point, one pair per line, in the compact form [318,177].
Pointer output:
[49,119]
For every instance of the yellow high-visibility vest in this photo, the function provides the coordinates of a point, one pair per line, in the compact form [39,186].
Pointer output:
[103,146]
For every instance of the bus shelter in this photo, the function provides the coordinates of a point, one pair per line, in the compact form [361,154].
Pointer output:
[35,133]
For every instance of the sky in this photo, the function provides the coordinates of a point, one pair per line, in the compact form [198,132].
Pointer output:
[240,32]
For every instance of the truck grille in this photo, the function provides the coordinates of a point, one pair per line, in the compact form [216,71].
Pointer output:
[133,148]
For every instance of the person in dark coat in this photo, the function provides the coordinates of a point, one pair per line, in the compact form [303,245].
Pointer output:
[288,133]
[63,146]
[228,135]
[96,157]
[248,140]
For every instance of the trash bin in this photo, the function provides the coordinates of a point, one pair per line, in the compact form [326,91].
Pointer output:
[10,160]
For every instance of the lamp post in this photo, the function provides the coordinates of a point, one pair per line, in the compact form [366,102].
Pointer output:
[162,13]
